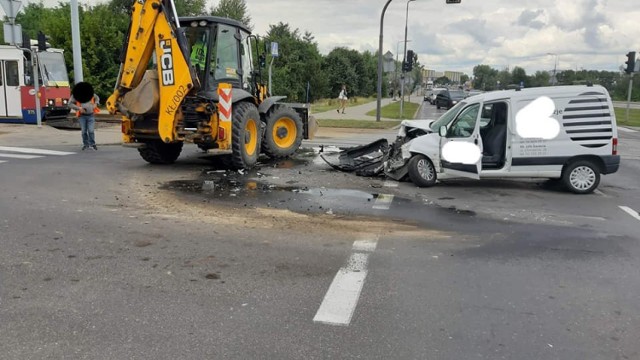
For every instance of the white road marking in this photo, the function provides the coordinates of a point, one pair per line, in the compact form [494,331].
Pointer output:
[341,299]
[623,129]
[630,211]
[34,151]
[1,161]
[383,202]
[19,156]
[390,184]
[598,192]
[368,245]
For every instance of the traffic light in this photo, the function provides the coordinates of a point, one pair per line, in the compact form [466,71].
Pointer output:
[408,64]
[631,62]
[42,41]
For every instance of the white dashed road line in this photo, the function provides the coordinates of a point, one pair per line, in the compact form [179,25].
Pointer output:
[19,156]
[390,184]
[383,202]
[341,299]
[34,151]
[1,161]
[631,212]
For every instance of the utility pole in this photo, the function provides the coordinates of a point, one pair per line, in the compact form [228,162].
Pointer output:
[379,99]
[75,41]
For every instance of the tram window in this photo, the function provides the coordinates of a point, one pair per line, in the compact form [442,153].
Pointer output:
[13,76]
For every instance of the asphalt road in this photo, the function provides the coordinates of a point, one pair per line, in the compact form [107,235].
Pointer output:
[107,257]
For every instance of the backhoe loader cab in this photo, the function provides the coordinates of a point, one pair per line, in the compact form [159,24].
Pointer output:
[203,89]
[220,51]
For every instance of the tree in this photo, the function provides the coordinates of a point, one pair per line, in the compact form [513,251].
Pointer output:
[234,9]
[300,63]
[442,80]
[485,77]
[189,7]
[541,78]
[519,76]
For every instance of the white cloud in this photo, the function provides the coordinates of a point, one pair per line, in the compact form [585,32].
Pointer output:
[591,34]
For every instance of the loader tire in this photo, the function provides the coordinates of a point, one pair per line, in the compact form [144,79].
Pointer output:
[245,141]
[283,134]
[158,152]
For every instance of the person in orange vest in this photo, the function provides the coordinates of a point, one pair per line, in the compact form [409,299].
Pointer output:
[85,103]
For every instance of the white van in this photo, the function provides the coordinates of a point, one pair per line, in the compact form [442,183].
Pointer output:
[583,146]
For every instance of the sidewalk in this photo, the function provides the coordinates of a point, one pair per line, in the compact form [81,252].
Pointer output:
[359,112]
[33,136]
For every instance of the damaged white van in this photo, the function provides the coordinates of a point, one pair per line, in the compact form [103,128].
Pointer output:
[562,132]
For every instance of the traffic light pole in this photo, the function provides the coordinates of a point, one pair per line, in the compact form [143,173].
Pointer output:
[629,94]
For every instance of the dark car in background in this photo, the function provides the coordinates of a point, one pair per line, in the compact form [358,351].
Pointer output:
[448,98]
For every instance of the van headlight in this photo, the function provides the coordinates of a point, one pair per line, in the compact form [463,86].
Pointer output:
[454,102]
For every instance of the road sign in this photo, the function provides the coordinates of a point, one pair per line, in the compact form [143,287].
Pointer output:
[11,7]
[274,49]
[16,30]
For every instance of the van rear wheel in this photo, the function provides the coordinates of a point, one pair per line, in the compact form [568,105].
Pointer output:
[581,177]
[421,171]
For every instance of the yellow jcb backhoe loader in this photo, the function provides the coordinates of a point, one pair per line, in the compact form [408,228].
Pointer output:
[192,79]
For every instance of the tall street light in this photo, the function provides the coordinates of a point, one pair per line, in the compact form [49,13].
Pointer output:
[555,67]
[395,74]
[404,59]
[379,100]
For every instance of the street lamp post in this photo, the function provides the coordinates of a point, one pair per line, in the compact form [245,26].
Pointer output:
[555,67]
[379,99]
[404,59]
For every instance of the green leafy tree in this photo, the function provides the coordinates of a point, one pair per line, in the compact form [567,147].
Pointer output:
[485,77]
[234,9]
[539,79]
[442,80]
[518,76]
[299,64]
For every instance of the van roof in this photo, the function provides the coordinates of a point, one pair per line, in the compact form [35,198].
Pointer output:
[539,91]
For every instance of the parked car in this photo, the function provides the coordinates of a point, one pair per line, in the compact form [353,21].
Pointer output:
[431,95]
[448,98]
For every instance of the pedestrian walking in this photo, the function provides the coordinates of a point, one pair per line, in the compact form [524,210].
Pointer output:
[343,99]
[85,102]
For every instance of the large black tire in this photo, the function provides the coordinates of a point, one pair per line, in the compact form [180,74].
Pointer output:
[421,171]
[158,152]
[581,177]
[284,131]
[437,105]
[245,141]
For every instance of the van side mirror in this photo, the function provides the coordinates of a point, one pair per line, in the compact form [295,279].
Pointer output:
[443,131]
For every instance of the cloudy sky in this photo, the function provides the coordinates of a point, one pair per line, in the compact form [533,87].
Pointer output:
[590,34]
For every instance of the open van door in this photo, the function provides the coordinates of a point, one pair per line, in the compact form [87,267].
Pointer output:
[461,144]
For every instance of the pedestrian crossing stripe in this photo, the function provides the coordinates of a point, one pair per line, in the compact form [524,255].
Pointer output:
[19,156]
[34,151]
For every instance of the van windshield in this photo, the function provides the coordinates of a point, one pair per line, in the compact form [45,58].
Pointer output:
[446,118]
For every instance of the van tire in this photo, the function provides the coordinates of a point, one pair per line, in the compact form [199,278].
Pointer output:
[581,177]
[421,171]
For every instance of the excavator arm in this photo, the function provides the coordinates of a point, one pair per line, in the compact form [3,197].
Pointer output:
[154,28]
